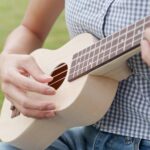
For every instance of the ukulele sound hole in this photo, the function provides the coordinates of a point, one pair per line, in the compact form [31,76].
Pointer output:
[59,75]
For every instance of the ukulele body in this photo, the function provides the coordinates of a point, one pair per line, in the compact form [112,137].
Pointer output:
[80,102]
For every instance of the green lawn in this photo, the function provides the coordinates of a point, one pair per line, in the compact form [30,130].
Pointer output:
[11,12]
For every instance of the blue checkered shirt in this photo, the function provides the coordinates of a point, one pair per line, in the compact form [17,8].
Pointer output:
[129,114]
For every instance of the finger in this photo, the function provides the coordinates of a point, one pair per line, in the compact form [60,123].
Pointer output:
[147,34]
[29,84]
[145,51]
[21,98]
[38,114]
[33,113]
[35,71]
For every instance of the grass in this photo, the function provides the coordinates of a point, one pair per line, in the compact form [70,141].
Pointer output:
[11,13]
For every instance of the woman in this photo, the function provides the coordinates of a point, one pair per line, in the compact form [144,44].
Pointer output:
[126,124]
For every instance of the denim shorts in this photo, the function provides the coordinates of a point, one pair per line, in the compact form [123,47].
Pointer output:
[89,138]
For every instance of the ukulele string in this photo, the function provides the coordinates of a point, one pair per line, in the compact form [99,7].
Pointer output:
[93,56]
[56,81]
[59,67]
[59,74]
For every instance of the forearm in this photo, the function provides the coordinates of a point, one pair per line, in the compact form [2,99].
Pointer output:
[36,24]
[22,41]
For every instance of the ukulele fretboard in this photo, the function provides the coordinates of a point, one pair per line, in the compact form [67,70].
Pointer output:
[108,49]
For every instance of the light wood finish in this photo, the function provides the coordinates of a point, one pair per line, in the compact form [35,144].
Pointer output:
[80,102]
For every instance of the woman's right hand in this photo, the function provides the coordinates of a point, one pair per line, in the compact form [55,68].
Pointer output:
[15,83]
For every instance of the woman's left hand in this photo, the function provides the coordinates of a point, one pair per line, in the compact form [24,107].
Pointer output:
[145,46]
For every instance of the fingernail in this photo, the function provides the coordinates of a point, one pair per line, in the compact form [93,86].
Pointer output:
[51,91]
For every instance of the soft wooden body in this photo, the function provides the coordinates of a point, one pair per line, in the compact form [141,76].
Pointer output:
[80,102]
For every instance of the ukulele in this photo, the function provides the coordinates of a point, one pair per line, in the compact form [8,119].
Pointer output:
[86,74]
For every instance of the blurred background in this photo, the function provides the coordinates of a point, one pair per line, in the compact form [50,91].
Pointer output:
[11,13]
